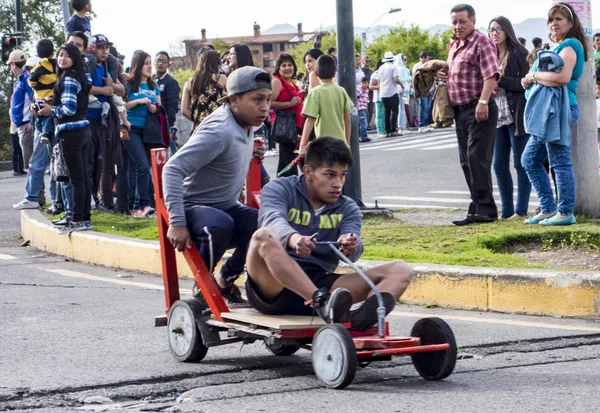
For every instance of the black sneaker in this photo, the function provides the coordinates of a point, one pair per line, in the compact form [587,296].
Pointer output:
[333,307]
[62,221]
[88,225]
[55,209]
[365,317]
[73,227]
[230,293]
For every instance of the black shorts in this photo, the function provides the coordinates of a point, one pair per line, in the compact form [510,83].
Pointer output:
[288,302]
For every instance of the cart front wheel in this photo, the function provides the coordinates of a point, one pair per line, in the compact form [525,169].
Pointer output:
[185,340]
[283,349]
[434,365]
[334,356]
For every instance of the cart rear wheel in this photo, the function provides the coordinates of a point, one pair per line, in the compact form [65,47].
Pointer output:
[283,349]
[185,340]
[334,356]
[434,365]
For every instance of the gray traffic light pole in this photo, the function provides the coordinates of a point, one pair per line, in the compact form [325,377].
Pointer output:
[19,19]
[347,80]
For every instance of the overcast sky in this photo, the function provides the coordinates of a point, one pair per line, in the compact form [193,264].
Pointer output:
[152,25]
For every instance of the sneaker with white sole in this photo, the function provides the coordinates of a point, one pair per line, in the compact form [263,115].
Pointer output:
[74,227]
[27,204]
[143,213]
[333,307]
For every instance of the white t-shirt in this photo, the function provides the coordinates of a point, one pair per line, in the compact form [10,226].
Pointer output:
[387,85]
[375,76]
[416,66]
[359,75]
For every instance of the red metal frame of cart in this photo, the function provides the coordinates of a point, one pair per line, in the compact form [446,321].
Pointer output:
[368,345]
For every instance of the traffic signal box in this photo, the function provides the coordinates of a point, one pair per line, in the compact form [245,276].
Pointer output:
[8,45]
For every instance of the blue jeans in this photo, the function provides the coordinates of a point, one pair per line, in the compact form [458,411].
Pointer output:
[425,110]
[505,141]
[139,154]
[40,159]
[44,124]
[362,124]
[215,231]
[67,196]
[560,161]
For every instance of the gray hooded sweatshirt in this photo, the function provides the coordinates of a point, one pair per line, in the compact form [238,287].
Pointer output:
[210,169]
[285,209]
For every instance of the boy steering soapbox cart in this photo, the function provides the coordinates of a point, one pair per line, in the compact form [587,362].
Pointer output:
[193,325]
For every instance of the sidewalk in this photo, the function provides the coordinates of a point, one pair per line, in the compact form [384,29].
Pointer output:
[536,292]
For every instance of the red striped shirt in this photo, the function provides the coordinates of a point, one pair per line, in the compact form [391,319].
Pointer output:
[469,65]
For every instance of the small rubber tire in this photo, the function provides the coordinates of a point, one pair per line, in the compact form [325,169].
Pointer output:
[434,365]
[283,349]
[185,339]
[334,356]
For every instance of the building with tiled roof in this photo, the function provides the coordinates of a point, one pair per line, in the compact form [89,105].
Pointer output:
[265,47]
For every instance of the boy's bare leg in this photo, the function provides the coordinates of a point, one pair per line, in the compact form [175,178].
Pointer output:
[392,277]
[271,269]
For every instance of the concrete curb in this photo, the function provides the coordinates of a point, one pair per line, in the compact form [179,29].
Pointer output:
[536,292]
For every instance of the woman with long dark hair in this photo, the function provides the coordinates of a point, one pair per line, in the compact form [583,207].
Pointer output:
[202,92]
[142,95]
[239,56]
[510,130]
[69,109]
[567,33]
[286,98]
[310,62]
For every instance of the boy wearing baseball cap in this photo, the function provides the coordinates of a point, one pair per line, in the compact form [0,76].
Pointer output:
[203,180]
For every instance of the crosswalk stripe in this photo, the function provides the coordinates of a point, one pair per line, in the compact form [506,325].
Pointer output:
[423,199]
[403,206]
[402,142]
[440,147]
[418,145]
[533,194]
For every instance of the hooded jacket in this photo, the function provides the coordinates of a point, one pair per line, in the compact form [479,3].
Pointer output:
[403,74]
[285,209]
[548,111]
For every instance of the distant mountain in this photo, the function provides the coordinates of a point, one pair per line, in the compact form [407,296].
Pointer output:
[280,29]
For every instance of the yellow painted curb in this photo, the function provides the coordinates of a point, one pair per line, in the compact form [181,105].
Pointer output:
[96,248]
[535,292]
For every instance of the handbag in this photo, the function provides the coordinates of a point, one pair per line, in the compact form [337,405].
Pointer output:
[58,166]
[155,130]
[284,128]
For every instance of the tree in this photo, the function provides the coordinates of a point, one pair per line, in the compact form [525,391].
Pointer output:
[41,19]
[182,76]
[327,41]
[411,41]
[221,46]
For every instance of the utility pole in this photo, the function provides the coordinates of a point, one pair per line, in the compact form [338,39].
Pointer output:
[19,20]
[66,14]
[584,149]
[347,80]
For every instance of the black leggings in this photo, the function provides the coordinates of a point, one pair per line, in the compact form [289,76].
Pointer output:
[74,145]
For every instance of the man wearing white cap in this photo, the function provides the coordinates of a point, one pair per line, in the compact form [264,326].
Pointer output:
[388,90]
[20,104]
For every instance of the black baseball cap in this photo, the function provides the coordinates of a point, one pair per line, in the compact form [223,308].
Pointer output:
[100,40]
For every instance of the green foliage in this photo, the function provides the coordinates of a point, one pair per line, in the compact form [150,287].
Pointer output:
[221,46]
[182,76]
[327,41]
[411,41]
[41,19]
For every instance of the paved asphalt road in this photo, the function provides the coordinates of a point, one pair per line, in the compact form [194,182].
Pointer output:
[418,170]
[70,331]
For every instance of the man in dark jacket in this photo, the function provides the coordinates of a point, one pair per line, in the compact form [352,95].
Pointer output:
[169,93]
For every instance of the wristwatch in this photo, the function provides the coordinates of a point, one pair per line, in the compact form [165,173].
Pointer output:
[483,101]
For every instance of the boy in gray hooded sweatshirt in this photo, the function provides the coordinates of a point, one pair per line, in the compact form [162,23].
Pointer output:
[287,269]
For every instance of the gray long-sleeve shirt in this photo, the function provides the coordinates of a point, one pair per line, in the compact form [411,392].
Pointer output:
[210,168]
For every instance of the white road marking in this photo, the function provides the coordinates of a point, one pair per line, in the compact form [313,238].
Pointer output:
[400,206]
[7,257]
[418,145]
[409,138]
[82,276]
[407,142]
[533,194]
[534,324]
[438,148]
[424,199]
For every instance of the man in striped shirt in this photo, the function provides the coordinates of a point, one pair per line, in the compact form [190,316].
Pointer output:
[472,77]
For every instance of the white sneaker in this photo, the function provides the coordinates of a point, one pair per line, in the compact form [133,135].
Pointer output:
[27,204]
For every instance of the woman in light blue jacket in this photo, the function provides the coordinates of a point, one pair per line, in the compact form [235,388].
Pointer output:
[566,31]
[405,77]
